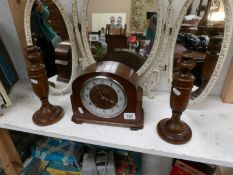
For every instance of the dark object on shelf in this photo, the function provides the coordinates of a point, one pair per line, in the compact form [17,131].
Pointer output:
[183,165]
[193,42]
[181,168]
[127,57]
[116,41]
[174,130]
[47,114]
[2,171]
[23,143]
[116,38]
[108,93]
[8,74]
[63,61]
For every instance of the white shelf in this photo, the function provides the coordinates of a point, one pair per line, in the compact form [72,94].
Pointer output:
[211,123]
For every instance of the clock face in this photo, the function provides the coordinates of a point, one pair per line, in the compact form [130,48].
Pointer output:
[103,97]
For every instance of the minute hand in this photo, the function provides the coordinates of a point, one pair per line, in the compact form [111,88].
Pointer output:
[108,100]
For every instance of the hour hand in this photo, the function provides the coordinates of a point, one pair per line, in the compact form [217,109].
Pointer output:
[100,92]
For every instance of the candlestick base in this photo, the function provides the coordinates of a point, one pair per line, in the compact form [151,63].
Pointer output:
[48,115]
[174,133]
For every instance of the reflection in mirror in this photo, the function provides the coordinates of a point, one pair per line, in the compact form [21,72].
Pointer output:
[121,30]
[50,34]
[201,34]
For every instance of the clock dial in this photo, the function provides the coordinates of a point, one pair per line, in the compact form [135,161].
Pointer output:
[103,97]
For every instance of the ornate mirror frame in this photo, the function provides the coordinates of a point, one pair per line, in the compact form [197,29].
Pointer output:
[77,25]
[223,53]
[151,77]
[149,72]
[69,26]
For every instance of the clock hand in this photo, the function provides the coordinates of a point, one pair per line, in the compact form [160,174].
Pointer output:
[108,100]
[103,97]
[100,92]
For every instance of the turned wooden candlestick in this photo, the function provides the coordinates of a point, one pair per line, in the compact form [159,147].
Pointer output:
[174,130]
[48,114]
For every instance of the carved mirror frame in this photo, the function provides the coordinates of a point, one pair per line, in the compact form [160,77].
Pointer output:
[149,72]
[76,22]
[223,53]
[151,77]
[69,26]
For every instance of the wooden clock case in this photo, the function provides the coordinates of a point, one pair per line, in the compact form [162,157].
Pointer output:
[127,78]
[63,54]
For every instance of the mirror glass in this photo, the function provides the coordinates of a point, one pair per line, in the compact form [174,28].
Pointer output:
[50,34]
[201,34]
[121,30]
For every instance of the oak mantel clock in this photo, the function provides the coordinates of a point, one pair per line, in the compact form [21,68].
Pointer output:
[108,93]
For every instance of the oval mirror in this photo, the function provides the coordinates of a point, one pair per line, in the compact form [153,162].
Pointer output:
[48,27]
[204,33]
[126,31]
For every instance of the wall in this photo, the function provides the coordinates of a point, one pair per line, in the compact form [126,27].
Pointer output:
[10,39]
[9,36]
[100,20]
[108,6]
[139,20]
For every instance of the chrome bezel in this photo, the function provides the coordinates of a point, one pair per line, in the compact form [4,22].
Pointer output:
[109,79]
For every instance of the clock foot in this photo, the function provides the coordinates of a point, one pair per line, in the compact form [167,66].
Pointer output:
[75,120]
[48,115]
[136,128]
[172,133]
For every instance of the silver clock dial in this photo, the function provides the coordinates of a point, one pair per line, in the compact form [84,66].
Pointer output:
[103,97]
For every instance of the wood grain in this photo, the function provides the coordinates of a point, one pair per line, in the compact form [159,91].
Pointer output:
[9,158]
[127,78]
[227,91]
[174,130]
[48,114]
[63,53]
